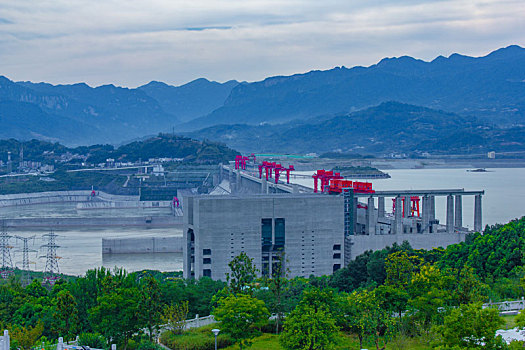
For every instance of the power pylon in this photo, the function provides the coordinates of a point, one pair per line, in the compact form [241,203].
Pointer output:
[26,274]
[7,264]
[51,270]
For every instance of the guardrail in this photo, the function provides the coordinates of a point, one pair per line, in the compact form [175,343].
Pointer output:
[506,306]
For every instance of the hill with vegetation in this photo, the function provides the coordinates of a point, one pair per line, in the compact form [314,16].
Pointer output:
[178,152]
[390,127]
[161,146]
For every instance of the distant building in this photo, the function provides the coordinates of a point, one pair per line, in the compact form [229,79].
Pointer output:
[491,155]
[307,228]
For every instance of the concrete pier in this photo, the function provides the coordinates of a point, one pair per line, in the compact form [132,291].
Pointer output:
[477,214]
[407,206]
[426,214]
[264,186]
[398,218]
[432,208]
[458,212]
[450,213]
[370,217]
[380,207]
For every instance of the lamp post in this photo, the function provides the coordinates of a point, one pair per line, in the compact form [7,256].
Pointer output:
[216,333]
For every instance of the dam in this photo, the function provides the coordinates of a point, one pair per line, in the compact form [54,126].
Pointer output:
[85,209]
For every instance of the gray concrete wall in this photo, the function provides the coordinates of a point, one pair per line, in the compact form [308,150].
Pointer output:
[144,221]
[142,245]
[361,243]
[59,197]
[229,225]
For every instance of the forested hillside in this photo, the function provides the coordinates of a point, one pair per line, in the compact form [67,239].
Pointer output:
[395,298]
[390,127]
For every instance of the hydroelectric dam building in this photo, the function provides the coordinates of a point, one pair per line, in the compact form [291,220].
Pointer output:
[317,233]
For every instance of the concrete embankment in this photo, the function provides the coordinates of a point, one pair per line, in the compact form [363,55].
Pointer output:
[93,222]
[123,205]
[142,245]
[18,199]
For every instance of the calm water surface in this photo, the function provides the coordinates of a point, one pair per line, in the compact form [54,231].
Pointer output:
[504,188]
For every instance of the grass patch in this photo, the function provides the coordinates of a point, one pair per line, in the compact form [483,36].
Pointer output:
[510,321]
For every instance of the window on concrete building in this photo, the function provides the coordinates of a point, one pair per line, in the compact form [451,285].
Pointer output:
[280,234]
[337,255]
[206,272]
[336,267]
[206,261]
[337,247]
[206,252]
[266,234]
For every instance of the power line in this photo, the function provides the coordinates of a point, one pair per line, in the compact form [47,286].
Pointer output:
[51,270]
[26,271]
[7,264]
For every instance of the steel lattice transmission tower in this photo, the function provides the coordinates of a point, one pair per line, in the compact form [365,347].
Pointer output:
[51,270]
[26,274]
[7,264]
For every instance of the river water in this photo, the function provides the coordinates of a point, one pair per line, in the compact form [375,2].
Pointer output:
[504,188]
[80,250]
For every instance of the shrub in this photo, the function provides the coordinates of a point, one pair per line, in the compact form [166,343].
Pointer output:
[93,340]
[196,339]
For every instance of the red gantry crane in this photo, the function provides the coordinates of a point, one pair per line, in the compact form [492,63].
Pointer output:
[414,207]
[274,170]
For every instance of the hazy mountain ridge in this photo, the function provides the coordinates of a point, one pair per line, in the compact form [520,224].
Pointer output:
[491,87]
[79,114]
[391,127]
[191,100]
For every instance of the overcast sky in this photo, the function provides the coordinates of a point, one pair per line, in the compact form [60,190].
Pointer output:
[131,42]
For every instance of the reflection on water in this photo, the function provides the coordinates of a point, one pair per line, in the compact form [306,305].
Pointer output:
[136,262]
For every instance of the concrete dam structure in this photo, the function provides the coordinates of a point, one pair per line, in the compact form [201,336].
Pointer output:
[85,201]
[318,232]
[142,245]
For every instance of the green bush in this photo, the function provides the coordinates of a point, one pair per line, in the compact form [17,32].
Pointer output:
[196,339]
[93,340]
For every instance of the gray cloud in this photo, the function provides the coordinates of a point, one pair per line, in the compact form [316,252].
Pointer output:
[130,43]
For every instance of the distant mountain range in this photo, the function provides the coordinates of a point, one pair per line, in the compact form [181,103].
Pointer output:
[485,93]
[79,114]
[391,127]
[490,87]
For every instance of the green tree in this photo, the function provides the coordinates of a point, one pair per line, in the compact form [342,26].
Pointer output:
[174,317]
[278,285]
[241,316]
[243,274]
[116,315]
[429,290]
[400,267]
[24,337]
[66,314]
[366,318]
[311,325]
[469,289]
[150,306]
[470,327]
